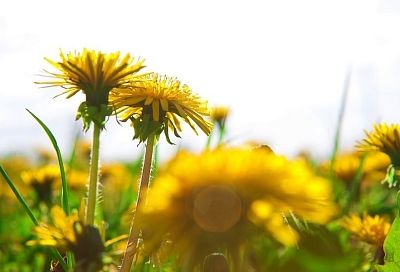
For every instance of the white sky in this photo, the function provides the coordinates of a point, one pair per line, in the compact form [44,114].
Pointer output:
[279,65]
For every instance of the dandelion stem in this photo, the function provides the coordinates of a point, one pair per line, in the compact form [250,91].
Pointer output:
[93,176]
[141,200]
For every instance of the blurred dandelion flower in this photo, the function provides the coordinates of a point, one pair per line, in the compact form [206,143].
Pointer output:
[386,139]
[346,166]
[43,180]
[69,233]
[153,103]
[216,201]
[219,114]
[372,230]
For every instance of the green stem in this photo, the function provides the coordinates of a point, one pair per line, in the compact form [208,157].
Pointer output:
[93,176]
[343,103]
[221,134]
[355,185]
[30,213]
[141,200]
[208,144]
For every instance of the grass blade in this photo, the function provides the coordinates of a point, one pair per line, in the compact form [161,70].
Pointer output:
[18,195]
[64,191]
[30,213]
[343,103]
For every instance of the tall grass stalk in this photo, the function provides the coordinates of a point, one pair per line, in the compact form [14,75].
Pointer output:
[340,119]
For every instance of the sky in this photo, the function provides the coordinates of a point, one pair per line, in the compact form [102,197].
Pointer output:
[279,65]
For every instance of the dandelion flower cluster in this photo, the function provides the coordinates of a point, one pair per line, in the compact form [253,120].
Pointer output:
[217,200]
[155,103]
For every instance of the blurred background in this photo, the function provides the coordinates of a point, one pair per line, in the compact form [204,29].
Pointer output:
[279,65]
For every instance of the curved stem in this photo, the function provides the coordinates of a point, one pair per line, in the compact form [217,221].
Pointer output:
[93,176]
[141,200]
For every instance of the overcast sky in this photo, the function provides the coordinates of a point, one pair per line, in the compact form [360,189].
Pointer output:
[279,65]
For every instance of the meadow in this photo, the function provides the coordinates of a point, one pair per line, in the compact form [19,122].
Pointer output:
[227,208]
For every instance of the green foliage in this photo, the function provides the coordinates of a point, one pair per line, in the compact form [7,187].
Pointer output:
[392,249]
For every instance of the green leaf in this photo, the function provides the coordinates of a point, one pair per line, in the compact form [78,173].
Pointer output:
[64,202]
[64,189]
[391,247]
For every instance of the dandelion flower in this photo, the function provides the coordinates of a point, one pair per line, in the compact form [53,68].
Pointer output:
[69,233]
[346,166]
[386,139]
[94,73]
[372,230]
[219,114]
[216,201]
[43,180]
[155,103]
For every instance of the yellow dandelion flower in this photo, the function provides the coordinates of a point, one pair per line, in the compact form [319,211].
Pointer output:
[218,200]
[94,73]
[77,179]
[43,180]
[219,114]
[375,166]
[69,233]
[61,234]
[384,138]
[153,103]
[372,230]
[345,166]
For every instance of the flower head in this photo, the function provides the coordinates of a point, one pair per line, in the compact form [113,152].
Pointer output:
[346,167]
[155,103]
[384,138]
[69,233]
[372,230]
[43,180]
[216,201]
[94,73]
[219,115]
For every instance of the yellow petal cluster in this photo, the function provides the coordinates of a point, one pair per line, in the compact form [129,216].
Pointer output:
[369,229]
[219,199]
[92,72]
[347,164]
[155,104]
[384,138]
[45,175]
[61,234]
[219,114]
